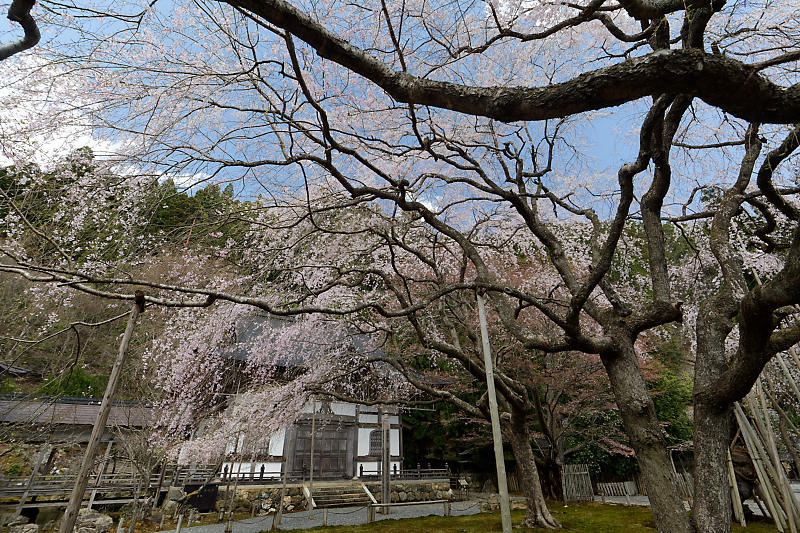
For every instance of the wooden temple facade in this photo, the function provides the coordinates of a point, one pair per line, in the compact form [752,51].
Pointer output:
[347,443]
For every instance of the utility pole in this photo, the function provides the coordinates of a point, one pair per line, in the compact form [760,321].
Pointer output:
[497,438]
[385,467]
[71,514]
[311,472]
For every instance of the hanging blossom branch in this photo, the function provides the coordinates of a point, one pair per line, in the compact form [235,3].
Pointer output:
[89,284]
[20,11]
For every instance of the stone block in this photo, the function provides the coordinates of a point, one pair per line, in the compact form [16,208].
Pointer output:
[25,528]
[170,507]
[175,493]
[10,519]
[93,521]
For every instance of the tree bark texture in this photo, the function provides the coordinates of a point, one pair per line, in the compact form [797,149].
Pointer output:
[537,514]
[647,438]
[712,504]
[720,81]
[712,501]
[20,12]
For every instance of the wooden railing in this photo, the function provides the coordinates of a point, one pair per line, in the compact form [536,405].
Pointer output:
[60,484]
[259,477]
[251,477]
[406,473]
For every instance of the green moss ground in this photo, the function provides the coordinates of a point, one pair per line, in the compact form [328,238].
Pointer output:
[589,518]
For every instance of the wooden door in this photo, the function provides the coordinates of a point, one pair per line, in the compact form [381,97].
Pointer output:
[332,447]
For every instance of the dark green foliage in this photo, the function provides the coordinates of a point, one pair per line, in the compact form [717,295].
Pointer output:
[7,386]
[605,464]
[441,436]
[671,391]
[672,394]
[75,382]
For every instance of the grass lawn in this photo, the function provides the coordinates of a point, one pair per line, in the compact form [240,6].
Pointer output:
[585,517]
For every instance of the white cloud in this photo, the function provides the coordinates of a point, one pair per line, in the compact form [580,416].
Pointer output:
[43,114]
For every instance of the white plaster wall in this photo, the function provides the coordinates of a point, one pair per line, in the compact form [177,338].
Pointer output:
[373,419]
[232,445]
[276,442]
[363,441]
[247,467]
[372,466]
[341,408]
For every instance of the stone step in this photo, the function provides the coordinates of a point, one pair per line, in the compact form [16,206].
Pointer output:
[344,503]
[344,497]
[340,496]
[342,493]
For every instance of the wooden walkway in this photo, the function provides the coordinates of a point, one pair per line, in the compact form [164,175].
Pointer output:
[53,490]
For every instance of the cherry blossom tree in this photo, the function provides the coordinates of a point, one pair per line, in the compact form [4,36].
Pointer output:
[454,115]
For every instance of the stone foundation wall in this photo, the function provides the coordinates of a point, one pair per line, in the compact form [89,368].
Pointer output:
[414,491]
[267,500]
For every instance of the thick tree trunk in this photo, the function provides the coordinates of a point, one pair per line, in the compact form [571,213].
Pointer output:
[712,501]
[550,472]
[537,515]
[647,438]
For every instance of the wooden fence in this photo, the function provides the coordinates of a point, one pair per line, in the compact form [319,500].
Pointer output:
[622,488]
[576,483]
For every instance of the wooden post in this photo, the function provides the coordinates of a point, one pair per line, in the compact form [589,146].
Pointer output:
[160,483]
[386,490]
[738,510]
[497,438]
[71,513]
[757,454]
[229,475]
[325,516]
[276,521]
[101,473]
[180,522]
[311,472]
[40,457]
[232,500]
[781,482]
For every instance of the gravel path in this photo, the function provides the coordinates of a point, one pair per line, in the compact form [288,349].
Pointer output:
[346,516]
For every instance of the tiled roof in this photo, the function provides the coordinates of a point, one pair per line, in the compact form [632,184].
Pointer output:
[250,329]
[48,410]
[14,370]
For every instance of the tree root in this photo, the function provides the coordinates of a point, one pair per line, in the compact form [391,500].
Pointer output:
[535,518]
